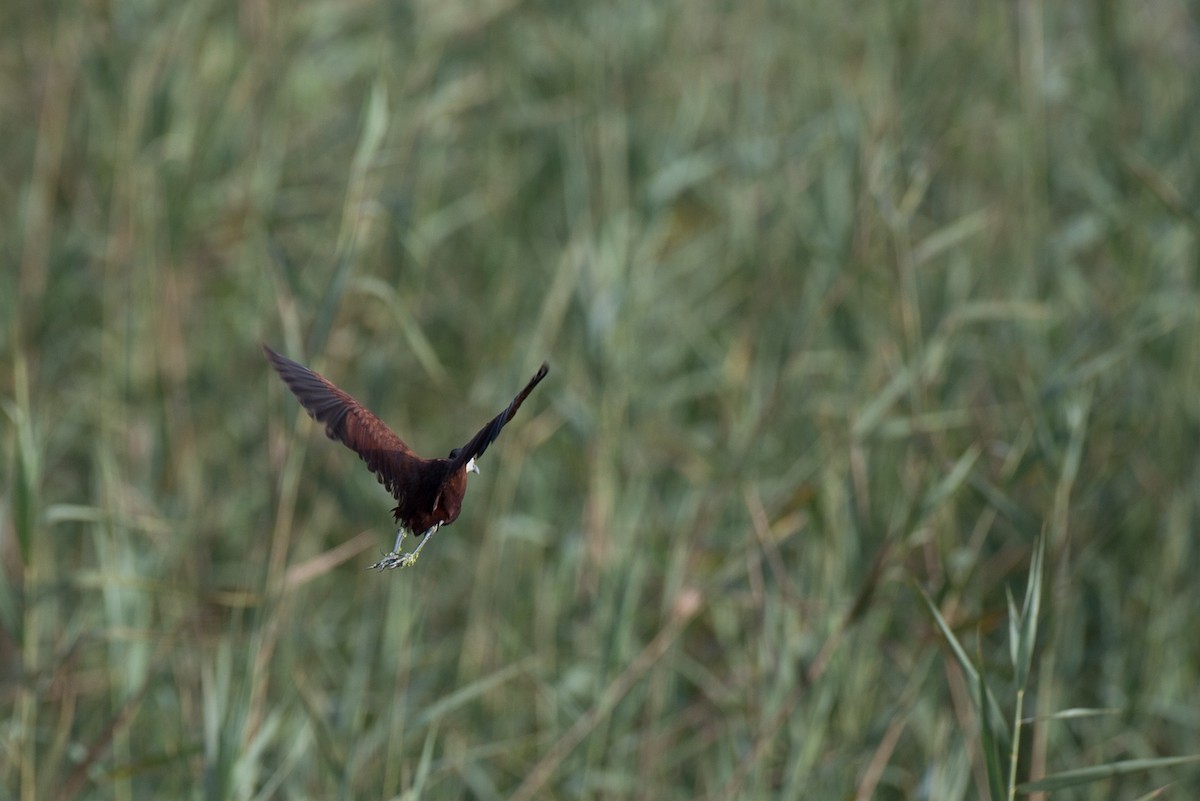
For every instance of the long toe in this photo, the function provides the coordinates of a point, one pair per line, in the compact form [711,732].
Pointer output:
[390,562]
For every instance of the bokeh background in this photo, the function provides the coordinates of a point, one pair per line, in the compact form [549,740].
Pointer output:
[842,301]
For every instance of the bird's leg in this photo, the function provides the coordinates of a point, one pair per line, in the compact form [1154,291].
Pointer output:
[410,559]
[392,560]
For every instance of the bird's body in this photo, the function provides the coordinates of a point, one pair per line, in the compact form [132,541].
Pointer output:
[428,492]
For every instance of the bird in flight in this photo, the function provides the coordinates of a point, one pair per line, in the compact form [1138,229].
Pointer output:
[428,492]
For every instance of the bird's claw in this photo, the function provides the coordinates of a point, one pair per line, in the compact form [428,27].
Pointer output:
[394,560]
[389,562]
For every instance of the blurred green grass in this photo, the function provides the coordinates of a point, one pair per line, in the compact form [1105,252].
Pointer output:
[837,299]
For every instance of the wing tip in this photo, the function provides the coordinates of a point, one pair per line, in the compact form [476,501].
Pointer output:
[273,356]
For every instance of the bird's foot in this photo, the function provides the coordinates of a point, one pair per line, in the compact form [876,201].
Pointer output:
[394,560]
[391,561]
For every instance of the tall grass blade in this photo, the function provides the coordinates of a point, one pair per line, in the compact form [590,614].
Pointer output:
[1074,778]
[991,749]
[25,488]
[1026,635]
[424,766]
[952,481]
[973,676]
[1076,714]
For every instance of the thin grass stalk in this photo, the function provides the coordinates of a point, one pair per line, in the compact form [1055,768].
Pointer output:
[1016,744]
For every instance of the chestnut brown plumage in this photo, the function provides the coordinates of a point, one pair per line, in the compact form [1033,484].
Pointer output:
[428,492]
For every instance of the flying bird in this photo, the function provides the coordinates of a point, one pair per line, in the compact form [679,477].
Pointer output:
[428,492]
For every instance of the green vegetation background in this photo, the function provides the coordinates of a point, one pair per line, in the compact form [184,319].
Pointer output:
[841,300]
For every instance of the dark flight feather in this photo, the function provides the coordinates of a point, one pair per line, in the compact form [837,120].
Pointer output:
[487,435]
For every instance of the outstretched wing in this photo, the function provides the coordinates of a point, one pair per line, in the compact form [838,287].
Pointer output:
[479,443]
[350,423]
